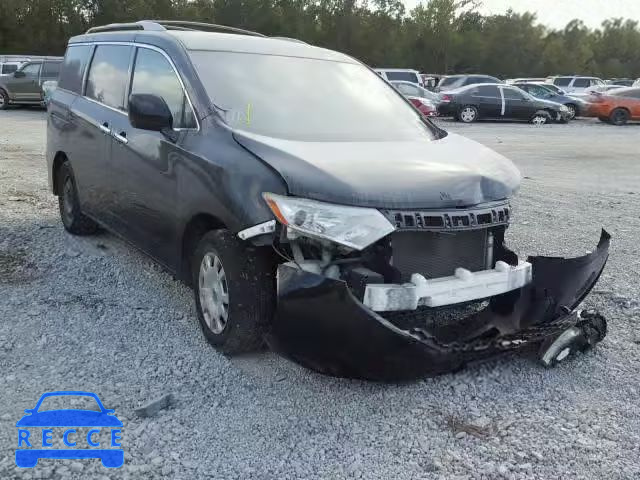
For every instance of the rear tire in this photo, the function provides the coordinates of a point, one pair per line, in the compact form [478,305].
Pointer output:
[234,286]
[468,114]
[4,100]
[74,221]
[619,116]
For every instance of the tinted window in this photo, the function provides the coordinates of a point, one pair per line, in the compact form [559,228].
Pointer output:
[306,99]
[108,75]
[51,69]
[153,74]
[512,94]
[582,82]
[487,91]
[72,73]
[538,91]
[448,81]
[8,69]
[32,70]
[562,81]
[402,76]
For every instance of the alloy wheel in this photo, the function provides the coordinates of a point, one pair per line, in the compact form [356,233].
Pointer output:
[214,293]
[539,120]
[468,114]
[572,111]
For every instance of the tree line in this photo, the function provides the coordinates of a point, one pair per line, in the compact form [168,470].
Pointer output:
[437,36]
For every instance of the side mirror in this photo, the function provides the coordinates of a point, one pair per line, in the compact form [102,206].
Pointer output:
[19,74]
[149,112]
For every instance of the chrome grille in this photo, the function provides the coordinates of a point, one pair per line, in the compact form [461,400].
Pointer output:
[438,254]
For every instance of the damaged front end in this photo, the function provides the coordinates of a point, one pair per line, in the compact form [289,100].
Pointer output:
[439,290]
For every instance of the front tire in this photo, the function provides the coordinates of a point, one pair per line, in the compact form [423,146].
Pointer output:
[619,116]
[539,118]
[234,285]
[74,221]
[468,114]
[573,110]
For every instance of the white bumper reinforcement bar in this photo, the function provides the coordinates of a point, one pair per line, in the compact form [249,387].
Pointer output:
[463,286]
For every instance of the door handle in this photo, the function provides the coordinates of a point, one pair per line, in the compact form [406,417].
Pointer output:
[105,128]
[121,137]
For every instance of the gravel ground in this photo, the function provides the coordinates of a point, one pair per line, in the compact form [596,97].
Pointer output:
[94,314]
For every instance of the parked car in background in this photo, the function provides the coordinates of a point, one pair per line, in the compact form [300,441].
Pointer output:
[524,80]
[550,86]
[575,105]
[24,86]
[452,82]
[623,82]
[617,107]
[499,101]
[577,84]
[430,80]
[421,98]
[400,74]
[409,89]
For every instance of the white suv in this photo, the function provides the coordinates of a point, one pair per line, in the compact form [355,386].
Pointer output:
[573,84]
[400,75]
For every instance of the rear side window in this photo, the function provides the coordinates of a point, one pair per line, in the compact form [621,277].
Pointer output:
[402,76]
[72,72]
[582,82]
[562,81]
[51,70]
[10,68]
[108,75]
[153,74]
[487,91]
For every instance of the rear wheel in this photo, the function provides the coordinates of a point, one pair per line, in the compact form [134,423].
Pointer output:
[468,114]
[234,286]
[73,219]
[4,100]
[619,116]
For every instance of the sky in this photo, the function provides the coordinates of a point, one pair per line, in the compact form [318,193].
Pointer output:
[557,13]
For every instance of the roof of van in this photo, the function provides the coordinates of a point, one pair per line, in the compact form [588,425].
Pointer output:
[225,42]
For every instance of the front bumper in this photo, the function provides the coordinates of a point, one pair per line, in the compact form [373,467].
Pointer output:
[320,324]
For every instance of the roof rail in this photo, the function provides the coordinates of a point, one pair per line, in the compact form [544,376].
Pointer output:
[164,25]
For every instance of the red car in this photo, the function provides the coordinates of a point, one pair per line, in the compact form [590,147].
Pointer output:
[617,107]
[426,107]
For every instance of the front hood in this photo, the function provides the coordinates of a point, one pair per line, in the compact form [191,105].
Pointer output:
[450,172]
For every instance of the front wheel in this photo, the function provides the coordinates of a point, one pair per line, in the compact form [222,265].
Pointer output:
[619,116]
[539,118]
[468,114]
[234,286]
[573,111]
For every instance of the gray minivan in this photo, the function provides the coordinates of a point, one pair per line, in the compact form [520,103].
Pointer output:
[306,201]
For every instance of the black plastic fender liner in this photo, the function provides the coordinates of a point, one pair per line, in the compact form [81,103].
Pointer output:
[320,324]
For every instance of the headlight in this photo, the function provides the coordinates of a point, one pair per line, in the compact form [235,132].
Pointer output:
[354,227]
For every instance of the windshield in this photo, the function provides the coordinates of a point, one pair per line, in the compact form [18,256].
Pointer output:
[406,76]
[306,99]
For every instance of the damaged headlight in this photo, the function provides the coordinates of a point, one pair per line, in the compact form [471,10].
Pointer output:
[354,227]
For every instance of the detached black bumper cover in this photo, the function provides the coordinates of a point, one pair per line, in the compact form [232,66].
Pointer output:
[321,325]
